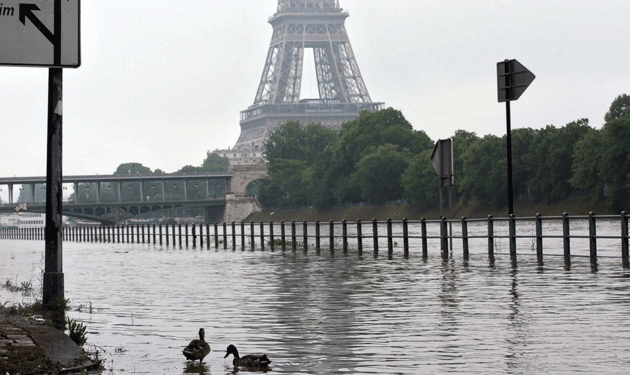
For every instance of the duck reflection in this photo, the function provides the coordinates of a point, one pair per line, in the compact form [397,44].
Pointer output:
[197,368]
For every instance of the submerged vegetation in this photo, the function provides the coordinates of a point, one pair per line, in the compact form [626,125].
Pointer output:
[379,158]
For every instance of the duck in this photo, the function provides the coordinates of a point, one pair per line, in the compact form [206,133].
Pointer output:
[197,349]
[251,361]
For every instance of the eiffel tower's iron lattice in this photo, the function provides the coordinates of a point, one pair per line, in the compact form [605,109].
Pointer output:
[299,25]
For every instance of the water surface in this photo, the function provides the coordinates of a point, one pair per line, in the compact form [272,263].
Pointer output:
[339,314]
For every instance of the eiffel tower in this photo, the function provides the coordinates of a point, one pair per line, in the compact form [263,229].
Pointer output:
[300,25]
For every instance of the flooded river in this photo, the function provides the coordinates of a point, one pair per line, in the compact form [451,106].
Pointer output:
[341,314]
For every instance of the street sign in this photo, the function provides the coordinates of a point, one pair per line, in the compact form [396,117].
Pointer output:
[29,35]
[442,160]
[512,79]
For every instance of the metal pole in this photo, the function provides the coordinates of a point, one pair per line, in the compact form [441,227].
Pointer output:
[509,158]
[53,273]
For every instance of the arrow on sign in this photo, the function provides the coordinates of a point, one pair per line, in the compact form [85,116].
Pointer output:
[26,11]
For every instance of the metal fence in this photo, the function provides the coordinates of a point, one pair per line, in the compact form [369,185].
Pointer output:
[542,236]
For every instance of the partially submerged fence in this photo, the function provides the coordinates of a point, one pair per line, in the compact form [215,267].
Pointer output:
[555,235]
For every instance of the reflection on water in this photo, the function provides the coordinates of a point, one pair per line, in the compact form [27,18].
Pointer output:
[341,314]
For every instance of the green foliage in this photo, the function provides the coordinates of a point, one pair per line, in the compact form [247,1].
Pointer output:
[420,182]
[378,174]
[551,158]
[615,167]
[132,168]
[619,108]
[485,171]
[77,331]
[602,160]
[215,163]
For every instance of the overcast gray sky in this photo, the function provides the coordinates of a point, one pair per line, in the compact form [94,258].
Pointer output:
[162,82]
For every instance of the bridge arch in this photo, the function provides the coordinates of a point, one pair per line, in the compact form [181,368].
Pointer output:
[243,175]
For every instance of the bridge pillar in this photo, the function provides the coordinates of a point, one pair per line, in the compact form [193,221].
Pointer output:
[239,206]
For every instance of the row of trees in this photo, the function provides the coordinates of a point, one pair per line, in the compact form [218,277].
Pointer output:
[379,157]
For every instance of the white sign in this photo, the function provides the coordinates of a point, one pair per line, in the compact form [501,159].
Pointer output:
[29,35]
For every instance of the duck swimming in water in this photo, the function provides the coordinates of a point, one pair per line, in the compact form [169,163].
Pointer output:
[197,349]
[252,361]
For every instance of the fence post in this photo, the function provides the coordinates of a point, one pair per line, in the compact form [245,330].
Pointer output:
[216,235]
[512,225]
[359,237]
[173,235]
[194,236]
[251,236]
[405,238]
[186,233]
[200,235]
[242,235]
[331,236]
[271,239]
[304,235]
[592,235]
[390,240]
[138,233]
[317,238]
[344,233]
[262,236]
[539,238]
[624,239]
[207,235]
[375,236]
[233,235]
[166,230]
[566,236]
[224,235]
[425,247]
[465,237]
[444,235]
[491,238]
[293,236]
[283,236]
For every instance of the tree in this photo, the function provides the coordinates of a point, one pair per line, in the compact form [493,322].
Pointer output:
[551,159]
[215,163]
[620,107]
[378,174]
[485,171]
[293,141]
[132,168]
[587,163]
[615,163]
[420,182]
[362,136]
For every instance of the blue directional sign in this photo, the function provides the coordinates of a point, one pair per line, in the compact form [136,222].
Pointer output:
[44,33]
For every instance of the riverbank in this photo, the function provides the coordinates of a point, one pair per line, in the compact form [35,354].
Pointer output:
[28,347]
[522,208]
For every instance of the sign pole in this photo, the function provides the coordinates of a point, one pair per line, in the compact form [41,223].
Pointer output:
[54,290]
[509,158]
[53,272]
[512,81]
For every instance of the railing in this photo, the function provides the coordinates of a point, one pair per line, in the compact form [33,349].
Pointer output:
[557,235]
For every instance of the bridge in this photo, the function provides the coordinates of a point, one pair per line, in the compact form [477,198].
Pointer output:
[112,199]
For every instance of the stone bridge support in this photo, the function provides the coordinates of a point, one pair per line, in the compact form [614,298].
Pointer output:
[237,204]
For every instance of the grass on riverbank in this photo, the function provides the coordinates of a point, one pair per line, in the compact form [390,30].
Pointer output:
[522,208]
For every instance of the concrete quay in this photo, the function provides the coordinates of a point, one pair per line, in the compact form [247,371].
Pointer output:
[31,347]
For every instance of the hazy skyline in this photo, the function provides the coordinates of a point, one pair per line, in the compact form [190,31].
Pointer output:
[161,83]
